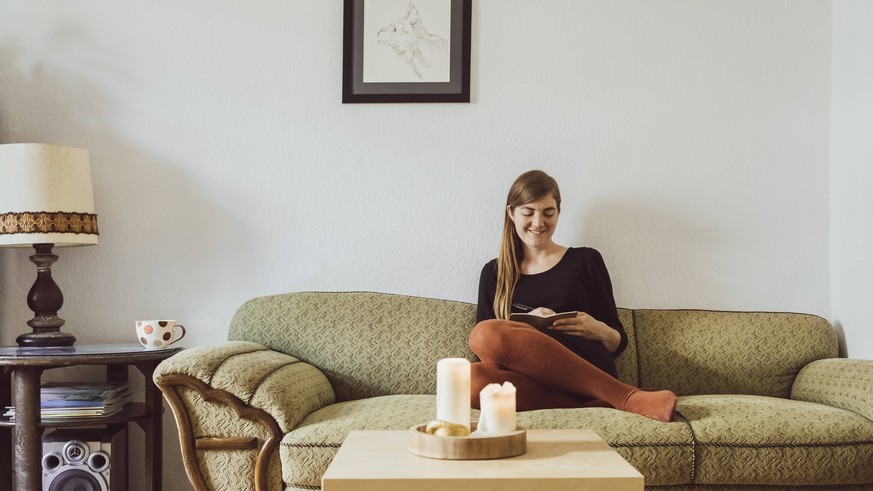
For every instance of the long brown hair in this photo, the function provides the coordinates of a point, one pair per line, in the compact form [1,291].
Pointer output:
[531,186]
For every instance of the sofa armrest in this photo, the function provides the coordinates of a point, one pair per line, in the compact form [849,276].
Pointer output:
[233,403]
[283,386]
[838,382]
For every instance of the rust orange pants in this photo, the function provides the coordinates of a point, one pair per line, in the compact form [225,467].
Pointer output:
[546,374]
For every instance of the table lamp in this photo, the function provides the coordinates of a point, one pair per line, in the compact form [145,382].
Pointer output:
[45,201]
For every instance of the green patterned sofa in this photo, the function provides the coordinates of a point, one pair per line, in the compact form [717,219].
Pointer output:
[764,402]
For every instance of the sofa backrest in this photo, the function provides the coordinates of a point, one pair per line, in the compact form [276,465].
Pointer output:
[713,352]
[371,344]
[367,344]
[627,362]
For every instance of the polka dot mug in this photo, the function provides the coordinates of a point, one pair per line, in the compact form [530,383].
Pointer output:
[159,334]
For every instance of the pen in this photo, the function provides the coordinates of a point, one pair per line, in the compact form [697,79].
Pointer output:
[522,306]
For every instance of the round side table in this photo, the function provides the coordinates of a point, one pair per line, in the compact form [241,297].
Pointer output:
[22,369]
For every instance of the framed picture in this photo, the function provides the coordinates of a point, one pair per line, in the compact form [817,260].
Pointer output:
[406,50]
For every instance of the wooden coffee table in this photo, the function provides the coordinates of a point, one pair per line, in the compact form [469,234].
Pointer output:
[555,460]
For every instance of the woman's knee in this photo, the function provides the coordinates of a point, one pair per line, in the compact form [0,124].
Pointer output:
[486,335]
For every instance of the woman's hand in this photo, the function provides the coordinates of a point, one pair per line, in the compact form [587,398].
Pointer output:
[587,327]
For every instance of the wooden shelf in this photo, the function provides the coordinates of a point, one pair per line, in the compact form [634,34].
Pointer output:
[21,370]
[135,411]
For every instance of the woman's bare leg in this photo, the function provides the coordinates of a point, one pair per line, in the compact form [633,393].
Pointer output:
[517,347]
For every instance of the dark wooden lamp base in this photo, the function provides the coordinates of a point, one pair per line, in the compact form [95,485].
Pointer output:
[45,300]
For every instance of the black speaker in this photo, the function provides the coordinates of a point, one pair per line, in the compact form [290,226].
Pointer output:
[86,459]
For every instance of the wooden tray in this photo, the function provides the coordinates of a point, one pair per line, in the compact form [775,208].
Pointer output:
[467,448]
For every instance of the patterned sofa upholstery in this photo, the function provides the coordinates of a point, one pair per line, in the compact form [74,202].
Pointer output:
[764,401]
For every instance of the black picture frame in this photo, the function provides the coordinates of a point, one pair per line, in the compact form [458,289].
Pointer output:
[456,89]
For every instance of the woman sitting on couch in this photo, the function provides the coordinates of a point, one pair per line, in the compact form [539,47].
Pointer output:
[569,364]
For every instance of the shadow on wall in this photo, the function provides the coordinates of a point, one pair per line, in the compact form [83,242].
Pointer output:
[657,255]
[155,222]
[841,340]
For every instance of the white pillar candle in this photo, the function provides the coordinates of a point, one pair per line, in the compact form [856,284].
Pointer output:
[453,391]
[498,409]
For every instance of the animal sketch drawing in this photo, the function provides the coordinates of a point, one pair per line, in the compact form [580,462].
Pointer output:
[426,54]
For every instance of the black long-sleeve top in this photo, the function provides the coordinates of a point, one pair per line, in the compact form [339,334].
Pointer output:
[579,281]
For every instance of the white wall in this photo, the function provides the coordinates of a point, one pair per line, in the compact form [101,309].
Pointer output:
[852,174]
[690,138]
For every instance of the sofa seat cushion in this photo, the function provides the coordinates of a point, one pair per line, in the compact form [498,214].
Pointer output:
[757,440]
[308,449]
[715,439]
[663,452]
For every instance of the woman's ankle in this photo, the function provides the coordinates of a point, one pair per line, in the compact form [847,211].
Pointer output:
[658,405]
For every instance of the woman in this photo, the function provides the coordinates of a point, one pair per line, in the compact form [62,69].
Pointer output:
[571,363]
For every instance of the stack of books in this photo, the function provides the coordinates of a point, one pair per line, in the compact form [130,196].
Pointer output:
[65,400]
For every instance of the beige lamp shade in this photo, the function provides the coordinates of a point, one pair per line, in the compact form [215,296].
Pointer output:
[46,196]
